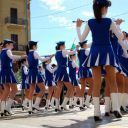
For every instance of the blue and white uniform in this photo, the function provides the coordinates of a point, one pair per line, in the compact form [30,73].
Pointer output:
[123,57]
[41,79]
[0,74]
[84,72]
[62,62]
[24,72]
[101,52]
[72,72]
[34,76]
[43,74]
[49,75]
[7,73]
[116,46]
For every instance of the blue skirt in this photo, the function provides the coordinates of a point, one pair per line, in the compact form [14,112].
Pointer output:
[62,75]
[103,71]
[7,76]
[84,72]
[37,90]
[0,79]
[74,82]
[34,77]
[101,55]
[124,65]
[1,85]
[25,84]
[50,83]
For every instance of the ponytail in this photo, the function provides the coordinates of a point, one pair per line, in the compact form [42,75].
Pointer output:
[27,49]
[78,53]
[44,65]
[21,62]
[97,8]
[57,48]
[97,11]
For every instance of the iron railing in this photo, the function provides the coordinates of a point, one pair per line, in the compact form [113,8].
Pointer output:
[19,47]
[18,21]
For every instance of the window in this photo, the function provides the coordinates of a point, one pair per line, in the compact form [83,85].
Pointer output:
[13,15]
[14,37]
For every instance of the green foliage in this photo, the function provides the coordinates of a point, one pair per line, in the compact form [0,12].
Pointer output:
[18,76]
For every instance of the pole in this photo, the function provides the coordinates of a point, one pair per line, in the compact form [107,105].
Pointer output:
[26,7]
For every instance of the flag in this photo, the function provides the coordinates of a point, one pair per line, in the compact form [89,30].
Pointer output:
[73,47]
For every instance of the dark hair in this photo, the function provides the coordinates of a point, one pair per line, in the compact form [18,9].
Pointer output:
[124,32]
[78,53]
[44,64]
[57,47]
[1,43]
[39,67]
[126,35]
[82,45]
[4,44]
[97,7]
[54,65]
[71,56]
[21,62]
[29,47]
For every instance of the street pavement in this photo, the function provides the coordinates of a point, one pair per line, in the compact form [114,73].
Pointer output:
[66,119]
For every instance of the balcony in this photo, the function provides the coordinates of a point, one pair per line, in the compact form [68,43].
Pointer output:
[12,22]
[19,50]
[19,47]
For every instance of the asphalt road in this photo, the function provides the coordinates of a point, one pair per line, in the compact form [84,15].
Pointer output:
[66,119]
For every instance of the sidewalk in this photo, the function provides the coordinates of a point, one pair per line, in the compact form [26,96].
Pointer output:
[69,119]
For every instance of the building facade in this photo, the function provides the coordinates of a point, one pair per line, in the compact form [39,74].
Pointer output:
[15,23]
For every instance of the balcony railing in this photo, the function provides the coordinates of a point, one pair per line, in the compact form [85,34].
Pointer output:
[19,21]
[19,47]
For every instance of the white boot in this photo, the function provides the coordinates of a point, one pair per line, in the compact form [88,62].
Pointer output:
[124,101]
[87,102]
[57,103]
[81,101]
[52,102]
[120,97]
[115,105]
[66,99]
[30,106]
[71,102]
[37,103]
[25,103]
[47,104]
[0,106]
[3,106]
[107,104]
[9,105]
[81,104]
[75,101]
[126,98]
[115,102]
[96,102]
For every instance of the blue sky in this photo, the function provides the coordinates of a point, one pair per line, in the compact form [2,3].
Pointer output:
[50,29]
